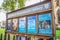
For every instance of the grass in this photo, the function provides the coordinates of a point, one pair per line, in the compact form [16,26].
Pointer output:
[2,31]
[57,33]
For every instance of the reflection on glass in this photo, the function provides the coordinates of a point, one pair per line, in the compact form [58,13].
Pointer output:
[45,24]
[47,5]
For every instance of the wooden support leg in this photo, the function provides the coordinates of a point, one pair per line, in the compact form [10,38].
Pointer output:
[44,39]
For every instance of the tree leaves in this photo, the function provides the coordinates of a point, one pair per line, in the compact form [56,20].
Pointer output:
[10,5]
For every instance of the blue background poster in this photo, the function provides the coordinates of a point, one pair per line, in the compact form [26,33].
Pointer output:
[9,25]
[31,24]
[45,24]
[22,25]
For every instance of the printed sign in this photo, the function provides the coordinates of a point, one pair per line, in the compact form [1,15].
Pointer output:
[15,24]
[31,10]
[31,24]
[22,25]
[45,25]
[9,25]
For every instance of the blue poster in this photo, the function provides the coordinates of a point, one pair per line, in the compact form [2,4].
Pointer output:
[45,24]
[22,25]
[32,24]
[9,25]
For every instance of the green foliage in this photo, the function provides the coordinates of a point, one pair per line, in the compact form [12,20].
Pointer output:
[57,33]
[5,7]
[21,3]
[10,5]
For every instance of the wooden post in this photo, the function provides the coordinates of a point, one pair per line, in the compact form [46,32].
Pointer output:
[8,36]
[13,37]
[5,36]
[45,39]
[1,37]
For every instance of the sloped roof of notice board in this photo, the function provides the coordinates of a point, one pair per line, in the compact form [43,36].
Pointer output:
[45,5]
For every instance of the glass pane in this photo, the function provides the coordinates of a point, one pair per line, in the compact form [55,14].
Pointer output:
[15,24]
[22,25]
[45,25]
[9,25]
[31,24]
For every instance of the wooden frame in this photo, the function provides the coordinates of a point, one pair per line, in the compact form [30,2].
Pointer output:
[37,15]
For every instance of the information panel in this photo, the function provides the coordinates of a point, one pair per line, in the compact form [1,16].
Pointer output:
[31,24]
[15,24]
[9,25]
[22,25]
[45,24]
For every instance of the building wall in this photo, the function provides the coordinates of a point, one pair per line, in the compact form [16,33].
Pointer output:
[55,10]
[2,24]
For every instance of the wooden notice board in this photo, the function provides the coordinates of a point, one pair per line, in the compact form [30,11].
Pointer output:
[32,20]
